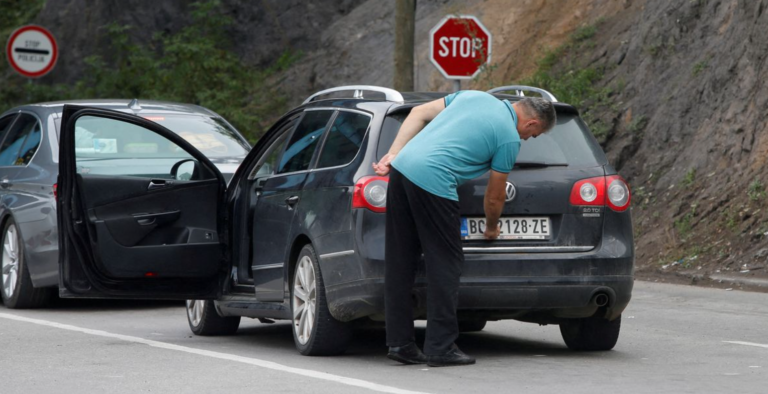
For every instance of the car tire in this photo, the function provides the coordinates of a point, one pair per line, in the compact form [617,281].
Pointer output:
[204,320]
[15,284]
[591,334]
[315,331]
[471,325]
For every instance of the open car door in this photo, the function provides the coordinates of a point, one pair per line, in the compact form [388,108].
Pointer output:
[140,211]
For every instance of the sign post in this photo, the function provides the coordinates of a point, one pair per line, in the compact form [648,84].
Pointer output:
[32,51]
[459,46]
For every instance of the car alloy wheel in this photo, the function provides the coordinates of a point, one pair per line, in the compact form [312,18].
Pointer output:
[304,300]
[315,331]
[10,266]
[204,319]
[195,311]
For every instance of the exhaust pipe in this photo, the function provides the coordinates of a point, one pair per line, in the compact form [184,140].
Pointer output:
[600,299]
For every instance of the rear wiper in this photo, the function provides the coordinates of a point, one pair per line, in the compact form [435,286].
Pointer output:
[538,164]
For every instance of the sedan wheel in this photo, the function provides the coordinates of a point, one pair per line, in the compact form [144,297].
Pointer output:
[10,261]
[204,320]
[315,331]
[16,286]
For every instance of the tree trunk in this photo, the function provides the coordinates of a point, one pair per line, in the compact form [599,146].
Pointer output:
[405,27]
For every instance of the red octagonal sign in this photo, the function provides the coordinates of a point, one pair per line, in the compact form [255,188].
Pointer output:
[459,46]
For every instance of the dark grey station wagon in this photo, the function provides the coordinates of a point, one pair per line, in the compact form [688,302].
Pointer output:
[298,234]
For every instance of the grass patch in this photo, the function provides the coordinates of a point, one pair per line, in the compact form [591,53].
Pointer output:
[683,225]
[559,73]
[699,67]
[689,179]
[637,124]
[756,191]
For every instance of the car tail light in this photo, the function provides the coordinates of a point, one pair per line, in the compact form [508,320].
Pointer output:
[371,193]
[56,190]
[589,192]
[618,193]
[612,191]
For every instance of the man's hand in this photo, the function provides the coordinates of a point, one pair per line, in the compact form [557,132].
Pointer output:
[384,165]
[495,194]
[492,233]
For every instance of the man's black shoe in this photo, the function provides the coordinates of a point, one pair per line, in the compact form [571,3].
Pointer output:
[453,357]
[407,354]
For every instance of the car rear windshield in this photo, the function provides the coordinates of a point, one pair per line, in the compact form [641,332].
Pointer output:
[213,137]
[569,143]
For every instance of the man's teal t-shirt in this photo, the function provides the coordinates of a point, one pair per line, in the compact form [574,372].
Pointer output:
[475,132]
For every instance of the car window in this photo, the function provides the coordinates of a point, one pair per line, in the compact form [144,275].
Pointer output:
[24,126]
[112,147]
[5,124]
[570,142]
[344,139]
[30,145]
[301,147]
[212,136]
[267,164]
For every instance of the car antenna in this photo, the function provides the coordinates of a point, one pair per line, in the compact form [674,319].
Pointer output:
[134,105]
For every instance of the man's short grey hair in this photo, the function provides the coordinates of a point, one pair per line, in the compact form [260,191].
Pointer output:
[540,109]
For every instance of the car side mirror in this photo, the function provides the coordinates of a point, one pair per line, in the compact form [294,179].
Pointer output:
[185,170]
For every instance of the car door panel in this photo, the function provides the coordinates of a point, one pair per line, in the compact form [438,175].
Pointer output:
[137,225]
[126,234]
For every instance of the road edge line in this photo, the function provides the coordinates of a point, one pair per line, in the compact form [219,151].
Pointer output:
[223,356]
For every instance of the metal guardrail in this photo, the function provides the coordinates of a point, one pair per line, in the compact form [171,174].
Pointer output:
[389,94]
[521,89]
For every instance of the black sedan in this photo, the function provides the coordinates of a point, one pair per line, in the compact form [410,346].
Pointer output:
[29,167]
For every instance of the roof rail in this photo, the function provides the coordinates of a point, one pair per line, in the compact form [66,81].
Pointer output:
[520,89]
[389,94]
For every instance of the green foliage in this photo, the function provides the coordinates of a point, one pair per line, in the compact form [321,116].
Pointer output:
[16,13]
[684,225]
[584,33]
[699,67]
[193,65]
[637,124]
[689,179]
[731,219]
[573,84]
[756,191]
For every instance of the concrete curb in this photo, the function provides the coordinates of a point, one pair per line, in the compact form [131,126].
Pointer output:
[740,280]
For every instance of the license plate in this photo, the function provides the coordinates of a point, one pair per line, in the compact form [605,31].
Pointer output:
[511,228]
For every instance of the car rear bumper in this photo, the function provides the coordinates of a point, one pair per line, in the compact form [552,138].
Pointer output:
[538,289]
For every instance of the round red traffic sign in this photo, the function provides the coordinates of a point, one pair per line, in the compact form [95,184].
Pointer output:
[32,51]
[459,46]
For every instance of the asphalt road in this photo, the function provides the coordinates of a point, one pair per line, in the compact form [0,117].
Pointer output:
[675,339]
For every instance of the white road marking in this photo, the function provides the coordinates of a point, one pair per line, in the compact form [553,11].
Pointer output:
[223,356]
[747,344]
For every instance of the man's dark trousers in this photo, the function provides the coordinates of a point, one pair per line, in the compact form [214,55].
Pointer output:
[419,221]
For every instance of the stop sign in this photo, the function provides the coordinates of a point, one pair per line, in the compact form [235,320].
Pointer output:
[459,46]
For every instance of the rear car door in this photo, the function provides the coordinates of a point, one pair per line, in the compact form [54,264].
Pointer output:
[140,210]
[275,210]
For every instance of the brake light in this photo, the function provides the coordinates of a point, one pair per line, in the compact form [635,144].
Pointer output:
[371,193]
[55,190]
[589,192]
[618,193]
[612,191]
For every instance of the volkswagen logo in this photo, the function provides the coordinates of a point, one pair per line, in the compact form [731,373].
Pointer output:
[511,191]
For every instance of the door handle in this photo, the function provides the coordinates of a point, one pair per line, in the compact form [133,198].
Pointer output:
[158,184]
[5,183]
[292,200]
[148,219]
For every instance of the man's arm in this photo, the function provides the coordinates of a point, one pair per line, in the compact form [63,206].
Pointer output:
[419,117]
[495,195]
